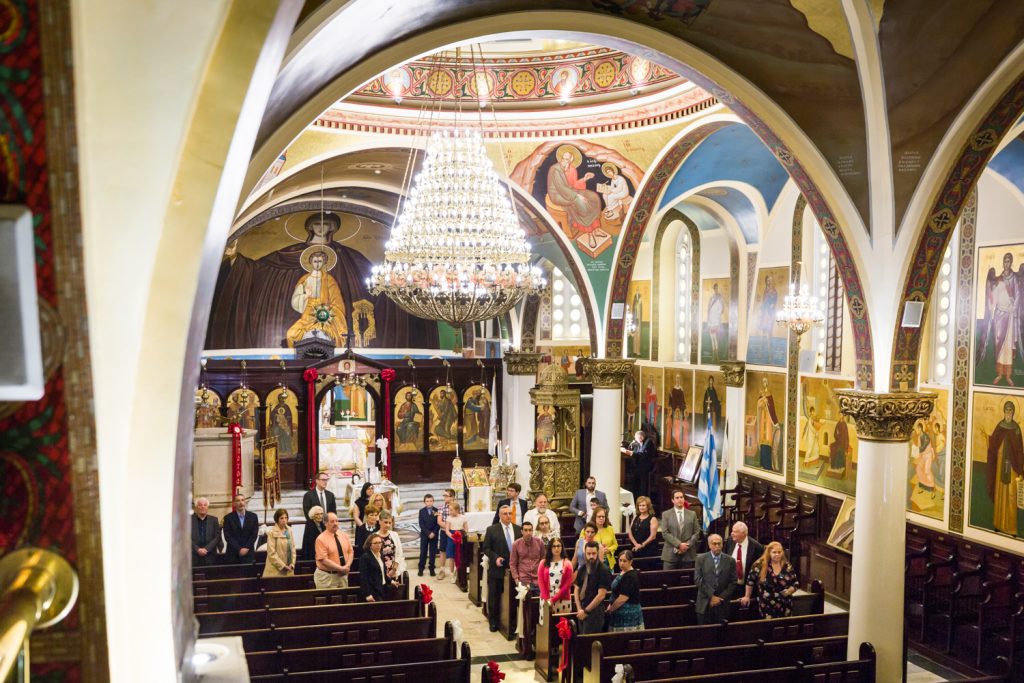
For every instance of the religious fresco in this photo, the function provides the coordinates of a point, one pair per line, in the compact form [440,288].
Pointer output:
[764,421]
[999,316]
[544,430]
[715,296]
[927,464]
[408,413]
[652,391]
[997,463]
[303,275]
[678,410]
[444,419]
[826,439]
[631,400]
[283,421]
[638,303]
[350,404]
[242,406]
[709,402]
[767,339]
[476,417]
[568,358]
[207,408]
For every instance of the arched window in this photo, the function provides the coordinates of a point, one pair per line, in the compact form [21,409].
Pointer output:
[568,319]
[944,322]
[684,294]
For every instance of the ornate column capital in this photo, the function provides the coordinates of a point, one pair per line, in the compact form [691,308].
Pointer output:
[607,373]
[734,371]
[885,417]
[522,362]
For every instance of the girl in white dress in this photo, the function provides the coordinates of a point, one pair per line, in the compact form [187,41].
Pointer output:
[456,522]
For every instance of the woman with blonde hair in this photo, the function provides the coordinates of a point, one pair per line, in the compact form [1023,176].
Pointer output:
[643,532]
[776,582]
[605,536]
[314,527]
[280,547]
[544,531]
[456,523]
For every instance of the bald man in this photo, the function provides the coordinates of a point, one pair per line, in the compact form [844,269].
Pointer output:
[715,576]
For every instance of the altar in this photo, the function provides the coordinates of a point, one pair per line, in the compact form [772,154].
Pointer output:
[342,453]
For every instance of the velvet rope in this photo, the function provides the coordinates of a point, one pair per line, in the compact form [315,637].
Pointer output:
[388,375]
[312,460]
[235,430]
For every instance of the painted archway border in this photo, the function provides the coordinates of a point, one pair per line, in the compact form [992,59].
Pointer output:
[655,183]
[942,218]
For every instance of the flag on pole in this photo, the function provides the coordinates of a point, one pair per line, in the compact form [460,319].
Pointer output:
[707,485]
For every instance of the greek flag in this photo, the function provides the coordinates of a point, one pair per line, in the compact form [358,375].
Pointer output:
[707,484]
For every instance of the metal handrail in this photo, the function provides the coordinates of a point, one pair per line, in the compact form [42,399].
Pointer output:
[39,589]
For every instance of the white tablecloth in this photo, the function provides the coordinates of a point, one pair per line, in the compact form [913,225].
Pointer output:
[478,521]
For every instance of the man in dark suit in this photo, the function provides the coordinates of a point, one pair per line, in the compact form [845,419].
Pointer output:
[319,496]
[715,577]
[205,535]
[644,453]
[240,531]
[516,504]
[744,549]
[680,532]
[580,505]
[497,546]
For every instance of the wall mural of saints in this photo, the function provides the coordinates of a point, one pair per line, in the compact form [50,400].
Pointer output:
[631,400]
[764,421]
[678,410]
[207,409]
[997,463]
[651,406]
[714,340]
[709,404]
[283,421]
[827,441]
[926,468]
[476,417]
[638,298]
[408,420]
[999,307]
[242,407]
[444,419]
[766,342]
[279,283]
[587,197]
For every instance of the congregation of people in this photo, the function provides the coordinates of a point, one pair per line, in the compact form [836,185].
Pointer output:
[592,578]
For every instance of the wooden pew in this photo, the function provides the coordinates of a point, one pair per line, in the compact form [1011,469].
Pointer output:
[348,633]
[454,670]
[383,653]
[711,635]
[289,598]
[706,662]
[218,622]
[234,571]
[473,553]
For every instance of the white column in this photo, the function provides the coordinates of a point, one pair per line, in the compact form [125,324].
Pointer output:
[607,375]
[884,423]
[517,423]
[734,415]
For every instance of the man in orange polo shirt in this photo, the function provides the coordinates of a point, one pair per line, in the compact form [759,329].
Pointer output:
[333,556]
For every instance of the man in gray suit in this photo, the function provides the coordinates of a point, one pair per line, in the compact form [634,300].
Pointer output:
[580,505]
[680,532]
[715,576]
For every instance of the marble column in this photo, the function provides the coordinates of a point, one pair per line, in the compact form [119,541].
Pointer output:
[884,423]
[517,411]
[607,376]
[734,372]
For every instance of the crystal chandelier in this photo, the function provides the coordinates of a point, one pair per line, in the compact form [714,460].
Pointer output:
[457,252]
[800,311]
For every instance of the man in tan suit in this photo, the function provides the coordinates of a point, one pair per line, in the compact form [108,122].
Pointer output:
[680,532]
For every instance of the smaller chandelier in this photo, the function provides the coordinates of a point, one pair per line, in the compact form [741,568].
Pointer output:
[800,311]
[457,252]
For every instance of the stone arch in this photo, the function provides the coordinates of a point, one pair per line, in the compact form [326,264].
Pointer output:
[979,146]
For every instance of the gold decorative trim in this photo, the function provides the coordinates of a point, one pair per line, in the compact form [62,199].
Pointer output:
[734,372]
[885,417]
[607,373]
[522,363]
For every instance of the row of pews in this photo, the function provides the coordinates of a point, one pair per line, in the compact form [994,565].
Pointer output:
[291,631]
